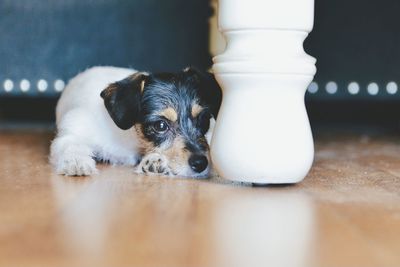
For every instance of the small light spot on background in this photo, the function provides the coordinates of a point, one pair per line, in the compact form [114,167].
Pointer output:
[59,85]
[313,88]
[331,88]
[25,85]
[42,85]
[392,88]
[373,88]
[8,85]
[353,88]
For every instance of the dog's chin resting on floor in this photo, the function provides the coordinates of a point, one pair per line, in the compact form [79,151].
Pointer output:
[158,123]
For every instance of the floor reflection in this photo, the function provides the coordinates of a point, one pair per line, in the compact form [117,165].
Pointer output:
[269,229]
[86,208]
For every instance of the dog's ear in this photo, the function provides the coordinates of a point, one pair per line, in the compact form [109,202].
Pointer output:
[122,99]
[210,92]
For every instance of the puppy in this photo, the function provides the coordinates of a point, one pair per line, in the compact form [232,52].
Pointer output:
[159,123]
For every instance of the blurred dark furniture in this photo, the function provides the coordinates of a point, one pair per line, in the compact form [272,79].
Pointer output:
[49,41]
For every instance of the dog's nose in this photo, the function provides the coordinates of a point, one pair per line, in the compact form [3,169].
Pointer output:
[198,163]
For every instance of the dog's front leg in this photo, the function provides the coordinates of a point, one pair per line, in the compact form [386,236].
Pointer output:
[71,157]
[154,164]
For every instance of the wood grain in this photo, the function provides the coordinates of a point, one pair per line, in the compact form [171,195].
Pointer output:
[345,213]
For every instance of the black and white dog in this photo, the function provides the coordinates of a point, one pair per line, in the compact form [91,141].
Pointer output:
[160,123]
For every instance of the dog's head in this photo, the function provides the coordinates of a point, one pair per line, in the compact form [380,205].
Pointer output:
[171,114]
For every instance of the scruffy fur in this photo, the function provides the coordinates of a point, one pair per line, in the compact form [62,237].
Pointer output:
[159,123]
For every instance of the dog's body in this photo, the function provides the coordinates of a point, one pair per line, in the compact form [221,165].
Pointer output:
[85,130]
[114,130]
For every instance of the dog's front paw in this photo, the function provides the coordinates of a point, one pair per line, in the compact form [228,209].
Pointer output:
[154,164]
[76,166]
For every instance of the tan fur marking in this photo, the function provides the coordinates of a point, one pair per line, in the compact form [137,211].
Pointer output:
[110,90]
[196,109]
[177,154]
[142,86]
[145,146]
[170,114]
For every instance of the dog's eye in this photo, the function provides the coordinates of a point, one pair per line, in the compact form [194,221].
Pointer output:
[203,122]
[160,126]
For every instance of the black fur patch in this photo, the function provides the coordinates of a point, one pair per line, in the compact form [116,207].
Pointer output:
[122,100]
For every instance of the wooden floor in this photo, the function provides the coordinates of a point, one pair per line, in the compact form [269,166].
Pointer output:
[345,213]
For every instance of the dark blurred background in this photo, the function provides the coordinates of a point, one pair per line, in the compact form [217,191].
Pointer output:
[45,42]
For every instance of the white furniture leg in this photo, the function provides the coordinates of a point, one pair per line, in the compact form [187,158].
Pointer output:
[263,134]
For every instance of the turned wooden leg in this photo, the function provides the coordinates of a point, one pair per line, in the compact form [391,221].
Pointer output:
[263,134]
